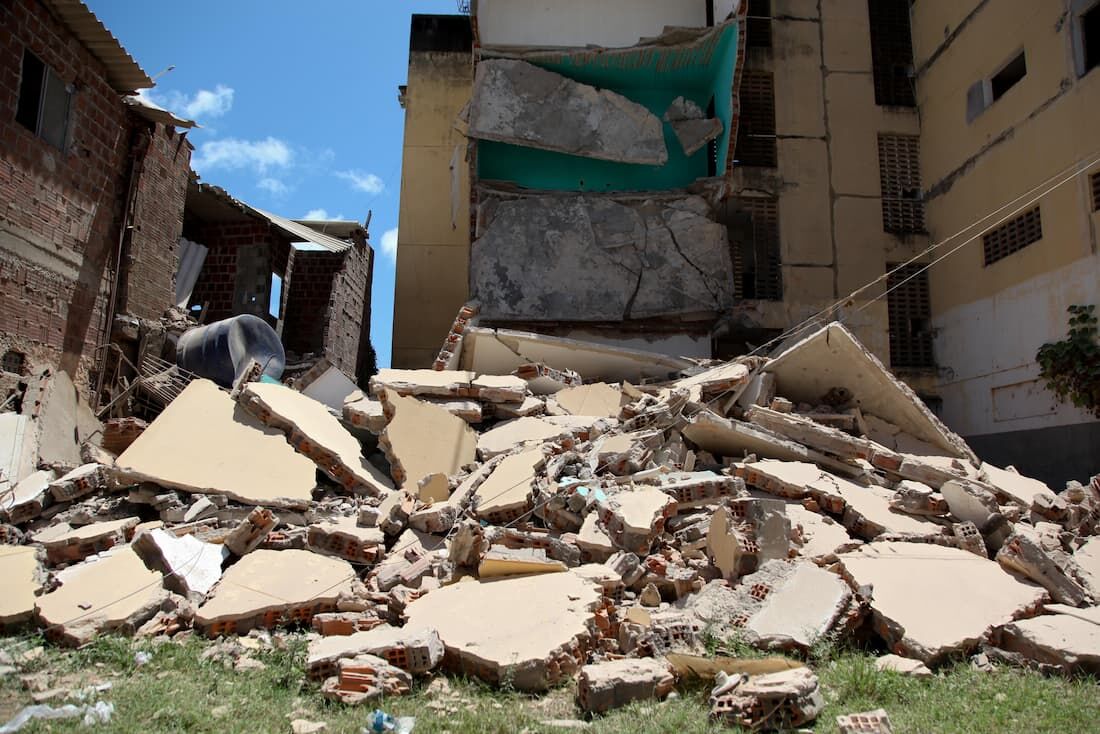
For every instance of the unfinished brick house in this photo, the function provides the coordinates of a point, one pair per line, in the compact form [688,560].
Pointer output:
[319,274]
[92,184]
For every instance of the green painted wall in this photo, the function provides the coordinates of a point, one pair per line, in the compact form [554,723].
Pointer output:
[650,77]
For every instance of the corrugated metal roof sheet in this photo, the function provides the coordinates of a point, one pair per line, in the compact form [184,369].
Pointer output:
[302,233]
[156,113]
[123,73]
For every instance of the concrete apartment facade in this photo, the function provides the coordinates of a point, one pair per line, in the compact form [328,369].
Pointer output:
[1009,94]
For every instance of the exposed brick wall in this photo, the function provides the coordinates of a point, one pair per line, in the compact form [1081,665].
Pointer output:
[347,327]
[217,281]
[153,256]
[308,289]
[59,210]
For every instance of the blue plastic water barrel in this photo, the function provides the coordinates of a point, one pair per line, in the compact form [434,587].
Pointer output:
[221,351]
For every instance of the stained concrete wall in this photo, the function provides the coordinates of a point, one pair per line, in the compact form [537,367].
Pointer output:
[991,320]
[433,245]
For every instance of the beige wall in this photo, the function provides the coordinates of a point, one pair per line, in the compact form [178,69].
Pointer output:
[990,320]
[433,245]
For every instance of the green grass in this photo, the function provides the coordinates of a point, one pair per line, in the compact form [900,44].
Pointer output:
[177,691]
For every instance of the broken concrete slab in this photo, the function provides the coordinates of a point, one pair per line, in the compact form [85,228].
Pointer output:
[1061,641]
[783,700]
[868,512]
[507,493]
[800,604]
[64,421]
[612,684]
[593,541]
[809,433]
[905,666]
[1088,614]
[344,538]
[21,572]
[79,482]
[833,358]
[365,413]
[816,535]
[327,384]
[26,500]
[1087,558]
[532,631]
[1024,555]
[635,517]
[18,448]
[190,566]
[699,488]
[589,258]
[113,591]
[531,406]
[364,678]
[929,601]
[411,648]
[421,439]
[423,383]
[597,399]
[509,435]
[522,104]
[315,433]
[692,126]
[205,443]
[434,488]
[267,588]
[544,380]
[499,388]
[1015,486]
[251,532]
[500,351]
[76,544]
[500,562]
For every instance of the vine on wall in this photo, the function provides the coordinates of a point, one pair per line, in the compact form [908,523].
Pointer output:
[1071,367]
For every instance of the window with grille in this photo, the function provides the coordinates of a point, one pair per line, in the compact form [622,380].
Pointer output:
[891,52]
[758,24]
[754,239]
[13,361]
[756,127]
[909,312]
[899,172]
[1095,191]
[1012,236]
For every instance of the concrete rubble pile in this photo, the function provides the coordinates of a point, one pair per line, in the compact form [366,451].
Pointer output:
[539,509]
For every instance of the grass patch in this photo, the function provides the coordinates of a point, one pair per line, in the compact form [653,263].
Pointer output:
[179,691]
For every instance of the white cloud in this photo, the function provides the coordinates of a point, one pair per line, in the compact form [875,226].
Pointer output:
[361,181]
[232,153]
[202,104]
[320,215]
[389,243]
[273,186]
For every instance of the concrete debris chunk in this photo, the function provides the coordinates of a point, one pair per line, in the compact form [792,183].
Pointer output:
[423,383]
[598,399]
[930,601]
[499,389]
[364,678]
[615,683]
[799,604]
[594,543]
[421,439]
[905,666]
[812,434]
[64,421]
[544,380]
[268,588]
[1087,560]
[26,500]
[190,566]
[509,435]
[693,129]
[413,649]
[500,562]
[76,544]
[1023,555]
[20,570]
[315,433]
[80,482]
[18,449]
[634,518]
[251,531]
[508,492]
[114,591]
[344,538]
[785,700]
[868,722]
[522,104]
[1015,486]
[365,413]
[531,631]
[1062,641]
[205,443]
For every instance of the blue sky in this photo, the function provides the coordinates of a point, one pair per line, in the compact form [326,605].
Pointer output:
[298,103]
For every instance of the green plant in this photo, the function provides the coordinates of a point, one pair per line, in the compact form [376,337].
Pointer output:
[1071,367]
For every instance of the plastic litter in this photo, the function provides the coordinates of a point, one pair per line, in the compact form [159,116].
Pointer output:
[380,722]
[98,713]
[141,658]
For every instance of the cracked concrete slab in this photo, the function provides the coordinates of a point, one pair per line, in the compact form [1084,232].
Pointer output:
[508,491]
[205,443]
[1062,641]
[422,439]
[508,435]
[523,104]
[76,544]
[21,572]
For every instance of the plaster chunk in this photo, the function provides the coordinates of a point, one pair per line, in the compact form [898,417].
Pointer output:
[64,422]
[522,104]
[509,435]
[205,443]
[929,601]
[598,399]
[905,666]
[509,490]
[76,544]
[612,684]
[20,570]
[190,566]
[414,649]
[1015,486]
[317,434]
[1066,642]
[421,439]
[267,588]
[108,592]
[530,631]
